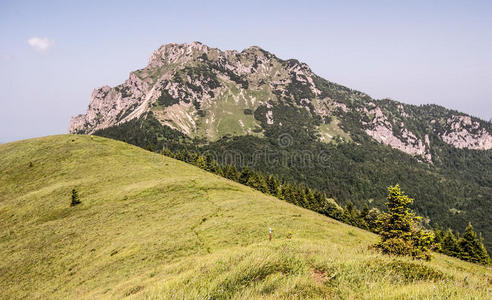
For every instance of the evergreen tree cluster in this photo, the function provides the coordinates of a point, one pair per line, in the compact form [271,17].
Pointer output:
[469,247]
[366,218]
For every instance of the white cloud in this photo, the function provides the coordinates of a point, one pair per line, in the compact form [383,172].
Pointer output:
[40,44]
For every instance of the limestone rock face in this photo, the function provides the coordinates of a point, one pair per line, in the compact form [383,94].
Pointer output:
[209,93]
[108,105]
[463,132]
[381,129]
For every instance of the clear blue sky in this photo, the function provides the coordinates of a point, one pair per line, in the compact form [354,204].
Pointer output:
[54,53]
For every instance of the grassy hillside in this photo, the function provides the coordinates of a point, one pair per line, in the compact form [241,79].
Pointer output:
[153,227]
[455,190]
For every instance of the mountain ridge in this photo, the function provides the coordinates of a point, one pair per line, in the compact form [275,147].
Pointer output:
[191,88]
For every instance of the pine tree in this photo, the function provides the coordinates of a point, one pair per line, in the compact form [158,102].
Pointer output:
[438,236]
[231,173]
[262,184]
[400,220]
[364,211]
[319,199]
[310,199]
[300,197]
[75,198]
[449,244]
[472,248]
[398,231]
[244,176]
[486,259]
[348,213]
[218,169]
[423,242]
[211,165]
[288,193]
[257,181]
[200,161]
[273,185]
[352,216]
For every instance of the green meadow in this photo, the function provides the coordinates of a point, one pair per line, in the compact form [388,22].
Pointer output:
[153,227]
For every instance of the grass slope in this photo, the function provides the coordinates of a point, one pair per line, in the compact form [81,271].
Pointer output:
[153,227]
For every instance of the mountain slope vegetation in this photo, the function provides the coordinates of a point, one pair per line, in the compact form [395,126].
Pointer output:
[448,194]
[149,226]
[278,117]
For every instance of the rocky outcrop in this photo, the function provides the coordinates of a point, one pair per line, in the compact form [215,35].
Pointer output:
[463,132]
[381,129]
[110,106]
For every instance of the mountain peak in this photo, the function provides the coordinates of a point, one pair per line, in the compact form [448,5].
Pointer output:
[257,50]
[173,53]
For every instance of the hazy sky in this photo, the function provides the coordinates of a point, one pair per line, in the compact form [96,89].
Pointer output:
[54,53]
